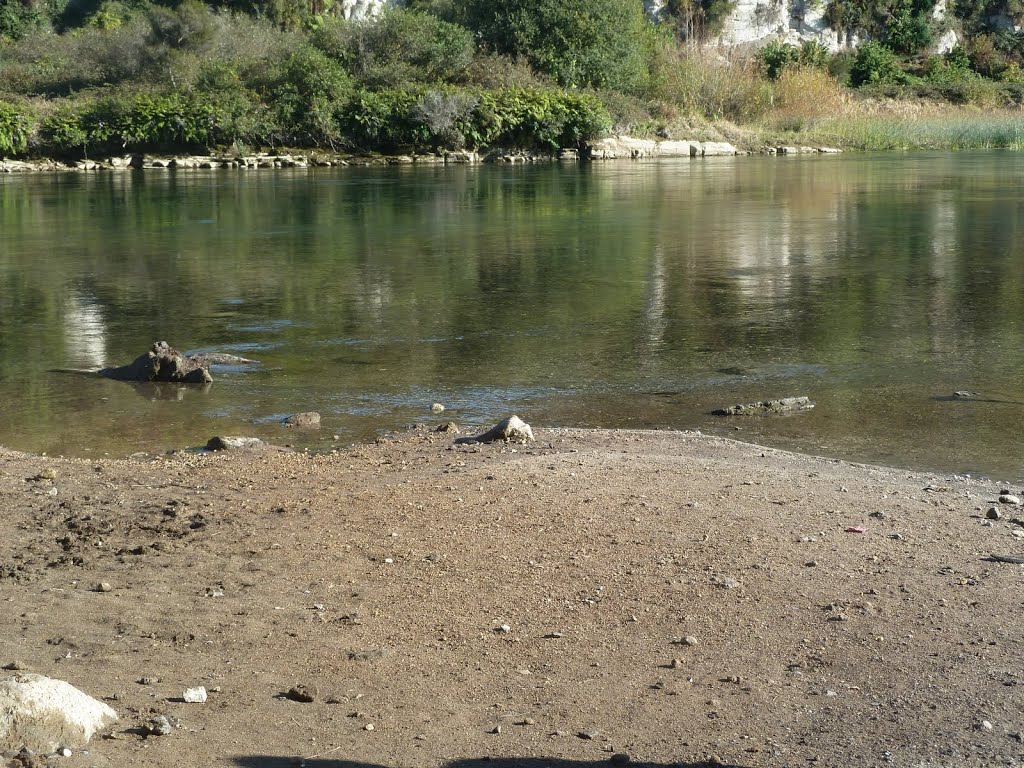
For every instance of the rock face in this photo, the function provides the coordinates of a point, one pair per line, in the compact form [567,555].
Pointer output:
[44,714]
[784,405]
[161,363]
[363,9]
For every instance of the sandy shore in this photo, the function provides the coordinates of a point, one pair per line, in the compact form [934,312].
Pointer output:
[677,598]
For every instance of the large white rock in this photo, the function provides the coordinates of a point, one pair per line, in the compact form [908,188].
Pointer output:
[44,714]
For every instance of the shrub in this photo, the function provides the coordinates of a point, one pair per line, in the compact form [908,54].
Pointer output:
[876,64]
[814,54]
[907,31]
[134,122]
[384,120]
[307,92]
[446,115]
[399,47]
[700,83]
[580,43]
[805,95]
[775,56]
[17,19]
[493,71]
[14,130]
[547,120]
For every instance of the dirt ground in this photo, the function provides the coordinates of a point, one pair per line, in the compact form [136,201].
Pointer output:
[675,598]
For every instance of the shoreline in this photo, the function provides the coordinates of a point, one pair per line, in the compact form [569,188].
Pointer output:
[674,597]
[612,148]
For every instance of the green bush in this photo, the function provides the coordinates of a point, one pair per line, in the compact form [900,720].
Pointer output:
[775,56]
[580,43]
[307,93]
[399,47]
[384,120]
[15,126]
[17,19]
[876,64]
[814,54]
[547,120]
[139,122]
[908,31]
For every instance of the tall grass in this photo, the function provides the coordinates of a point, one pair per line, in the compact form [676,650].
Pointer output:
[965,130]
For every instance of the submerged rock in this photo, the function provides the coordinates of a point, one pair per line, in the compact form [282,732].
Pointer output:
[43,714]
[161,363]
[307,420]
[221,443]
[784,405]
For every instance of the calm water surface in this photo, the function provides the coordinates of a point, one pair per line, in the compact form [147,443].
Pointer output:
[616,295]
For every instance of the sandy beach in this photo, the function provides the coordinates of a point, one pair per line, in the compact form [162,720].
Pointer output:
[666,598]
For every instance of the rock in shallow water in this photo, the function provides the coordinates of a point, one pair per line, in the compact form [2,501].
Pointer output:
[783,405]
[221,443]
[161,363]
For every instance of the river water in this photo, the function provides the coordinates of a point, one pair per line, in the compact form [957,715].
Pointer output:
[627,294]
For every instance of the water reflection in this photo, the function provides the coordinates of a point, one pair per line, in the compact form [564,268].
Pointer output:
[573,294]
[85,333]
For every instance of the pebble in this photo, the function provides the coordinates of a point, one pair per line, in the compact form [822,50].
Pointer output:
[148,680]
[64,752]
[437,408]
[690,640]
[993,513]
[504,629]
[496,729]
[158,726]
[527,721]
[104,586]
[195,695]
[303,693]
[587,735]
[1008,499]
[985,725]
[676,663]
[368,727]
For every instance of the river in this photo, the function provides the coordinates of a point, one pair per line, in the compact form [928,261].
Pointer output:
[626,294]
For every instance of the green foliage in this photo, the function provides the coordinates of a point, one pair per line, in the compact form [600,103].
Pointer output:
[580,43]
[814,54]
[698,19]
[907,31]
[384,120]
[308,93]
[774,57]
[14,130]
[18,19]
[399,47]
[546,120]
[134,122]
[876,64]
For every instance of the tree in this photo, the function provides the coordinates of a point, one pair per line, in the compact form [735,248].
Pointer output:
[581,43]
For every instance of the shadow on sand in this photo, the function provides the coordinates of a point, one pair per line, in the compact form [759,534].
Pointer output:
[268,761]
